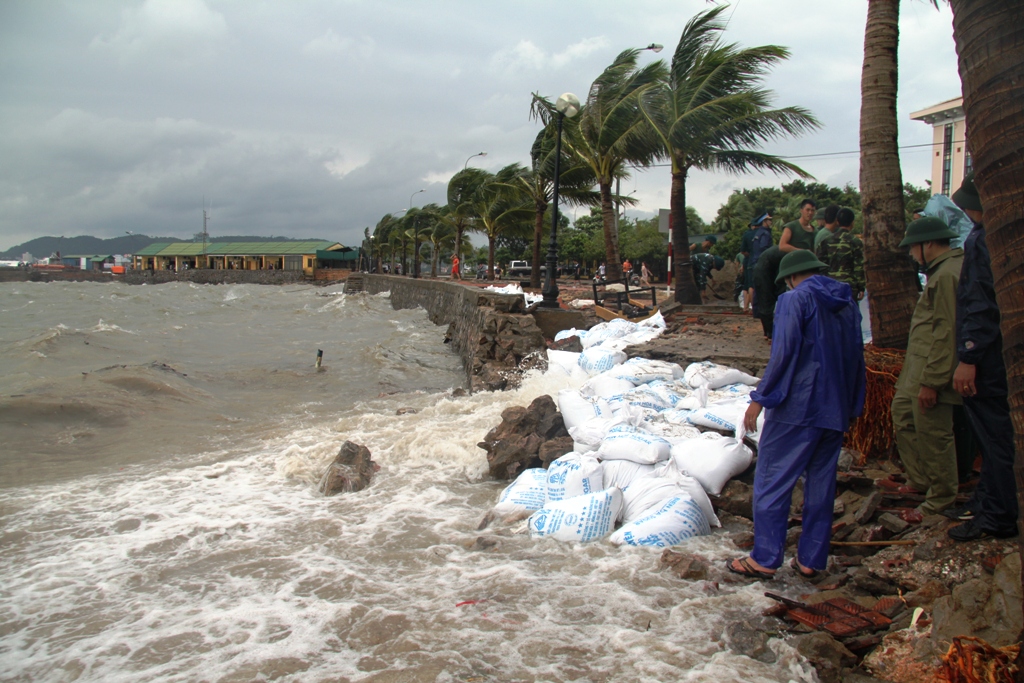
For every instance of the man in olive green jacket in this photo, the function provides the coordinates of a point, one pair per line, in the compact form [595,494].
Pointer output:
[922,410]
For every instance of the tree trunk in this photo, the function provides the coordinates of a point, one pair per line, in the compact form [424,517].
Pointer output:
[613,263]
[989,39]
[682,268]
[405,267]
[433,260]
[490,257]
[415,252]
[890,273]
[538,236]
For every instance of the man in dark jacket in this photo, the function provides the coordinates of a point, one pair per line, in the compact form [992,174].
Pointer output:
[755,242]
[812,387]
[766,290]
[980,377]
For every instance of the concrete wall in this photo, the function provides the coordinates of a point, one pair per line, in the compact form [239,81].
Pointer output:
[492,332]
[215,277]
[36,275]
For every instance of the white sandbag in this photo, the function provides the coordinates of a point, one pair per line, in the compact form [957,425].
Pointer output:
[667,524]
[642,371]
[576,409]
[583,518]
[571,332]
[714,376]
[648,399]
[622,473]
[640,336]
[657,321]
[673,433]
[605,385]
[527,492]
[589,435]
[602,332]
[712,460]
[729,391]
[725,415]
[595,360]
[573,475]
[567,360]
[692,487]
[646,492]
[626,442]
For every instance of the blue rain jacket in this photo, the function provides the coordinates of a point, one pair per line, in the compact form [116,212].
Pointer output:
[815,375]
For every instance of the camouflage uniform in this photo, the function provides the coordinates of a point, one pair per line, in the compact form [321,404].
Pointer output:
[702,265]
[843,252]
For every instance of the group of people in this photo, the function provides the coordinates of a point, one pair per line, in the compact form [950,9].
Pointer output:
[814,385]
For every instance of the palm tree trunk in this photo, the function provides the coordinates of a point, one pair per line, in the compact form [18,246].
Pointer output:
[538,237]
[433,259]
[989,37]
[613,263]
[490,257]
[415,252]
[891,276]
[682,268]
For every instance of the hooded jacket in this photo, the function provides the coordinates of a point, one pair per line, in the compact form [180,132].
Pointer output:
[815,375]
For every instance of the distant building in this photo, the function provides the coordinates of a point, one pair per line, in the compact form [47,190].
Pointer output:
[96,262]
[950,159]
[306,256]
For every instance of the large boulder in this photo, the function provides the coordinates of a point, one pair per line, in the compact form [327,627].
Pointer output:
[515,444]
[351,470]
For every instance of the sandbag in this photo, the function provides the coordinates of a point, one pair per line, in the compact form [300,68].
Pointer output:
[583,518]
[712,460]
[589,435]
[668,524]
[714,376]
[521,498]
[567,360]
[724,415]
[603,332]
[642,371]
[576,409]
[692,487]
[646,492]
[626,442]
[622,473]
[605,385]
[573,475]
[571,332]
[597,359]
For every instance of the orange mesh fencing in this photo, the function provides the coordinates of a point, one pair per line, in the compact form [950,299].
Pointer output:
[872,435]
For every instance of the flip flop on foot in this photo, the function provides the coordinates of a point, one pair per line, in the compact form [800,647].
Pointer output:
[744,566]
[802,570]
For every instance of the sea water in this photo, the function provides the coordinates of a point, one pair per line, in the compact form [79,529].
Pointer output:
[160,448]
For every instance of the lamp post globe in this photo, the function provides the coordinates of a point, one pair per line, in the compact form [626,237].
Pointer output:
[566,105]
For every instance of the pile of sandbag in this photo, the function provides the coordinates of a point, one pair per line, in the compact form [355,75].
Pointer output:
[648,448]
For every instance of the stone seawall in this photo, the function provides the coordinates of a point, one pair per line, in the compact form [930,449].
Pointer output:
[493,333]
[36,275]
[215,277]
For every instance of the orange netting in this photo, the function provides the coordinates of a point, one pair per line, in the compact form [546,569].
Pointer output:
[872,434]
[972,660]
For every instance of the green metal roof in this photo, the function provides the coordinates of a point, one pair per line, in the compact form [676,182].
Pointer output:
[339,255]
[89,256]
[238,248]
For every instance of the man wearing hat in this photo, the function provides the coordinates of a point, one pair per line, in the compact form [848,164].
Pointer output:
[755,242]
[922,409]
[812,388]
[703,264]
[980,378]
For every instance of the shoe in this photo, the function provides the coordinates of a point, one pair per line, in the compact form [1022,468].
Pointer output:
[744,567]
[970,531]
[803,571]
[963,513]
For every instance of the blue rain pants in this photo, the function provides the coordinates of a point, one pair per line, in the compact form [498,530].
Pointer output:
[784,453]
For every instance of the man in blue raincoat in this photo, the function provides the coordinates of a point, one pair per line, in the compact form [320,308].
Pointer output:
[812,388]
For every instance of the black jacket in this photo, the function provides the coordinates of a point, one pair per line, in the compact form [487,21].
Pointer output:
[979,341]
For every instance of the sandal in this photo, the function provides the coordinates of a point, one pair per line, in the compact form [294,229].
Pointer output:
[747,569]
[799,569]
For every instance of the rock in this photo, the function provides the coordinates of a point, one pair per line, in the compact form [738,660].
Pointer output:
[737,498]
[572,343]
[687,567]
[515,444]
[351,470]
[825,653]
[750,638]
[459,392]
[406,411]
[927,550]
[838,508]
[847,458]
[892,523]
[868,507]
[961,613]
[863,579]
[793,536]
[987,609]
[928,593]
[554,449]
[897,658]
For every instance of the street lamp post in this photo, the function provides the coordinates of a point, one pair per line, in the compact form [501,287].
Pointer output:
[478,154]
[415,240]
[566,105]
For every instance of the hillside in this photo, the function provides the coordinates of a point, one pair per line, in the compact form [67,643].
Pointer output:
[41,247]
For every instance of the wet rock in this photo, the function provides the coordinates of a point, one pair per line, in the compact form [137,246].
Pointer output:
[986,608]
[868,507]
[406,411]
[862,579]
[459,392]
[554,449]
[689,567]
[514,445]
[351,470]
[737,498]
[892,523]
[484,543]
[572,343]
[928,593]
[750,638]
[793,536]
[899,658]
[825,653]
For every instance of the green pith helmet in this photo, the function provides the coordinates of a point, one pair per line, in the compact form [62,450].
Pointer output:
[799,261]
[926,229]
[967,196]
[820,214]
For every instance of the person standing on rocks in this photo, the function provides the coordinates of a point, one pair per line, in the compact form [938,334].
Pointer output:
[813,387]
[980,378]
[922,409]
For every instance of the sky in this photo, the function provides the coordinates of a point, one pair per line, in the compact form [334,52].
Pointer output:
[315,118]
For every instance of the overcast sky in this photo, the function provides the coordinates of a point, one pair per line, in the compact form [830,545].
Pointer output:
[315,118]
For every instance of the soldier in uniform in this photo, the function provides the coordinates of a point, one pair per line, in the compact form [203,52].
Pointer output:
[702,267]
[766,289]
[843,252]
[799,234]
[980,377]
[754,243]
[922,410]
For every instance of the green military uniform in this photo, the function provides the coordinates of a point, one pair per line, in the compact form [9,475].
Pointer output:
[925,437]
[801,239]
[820,236]
[702,264]
[843,252]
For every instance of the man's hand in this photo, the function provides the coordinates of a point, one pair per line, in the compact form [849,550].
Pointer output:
[927,398]
[750,417]
[963,379]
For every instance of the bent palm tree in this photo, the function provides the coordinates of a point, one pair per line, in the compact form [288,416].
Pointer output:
[501,208]
[441,236]
[460,214]
[610,133]
[709,114]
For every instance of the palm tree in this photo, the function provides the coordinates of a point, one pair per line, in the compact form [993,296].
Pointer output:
[383,234]
[890,274]
[574,185]
[610,134]
[500,207]
[461,188]
[709,114]
[441,236]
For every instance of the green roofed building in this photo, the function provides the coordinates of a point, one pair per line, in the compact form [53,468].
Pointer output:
[306,256]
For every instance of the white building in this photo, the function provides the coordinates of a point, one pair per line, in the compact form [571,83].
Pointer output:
[950,159]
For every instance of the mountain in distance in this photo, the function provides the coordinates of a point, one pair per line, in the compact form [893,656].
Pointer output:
[42,247]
